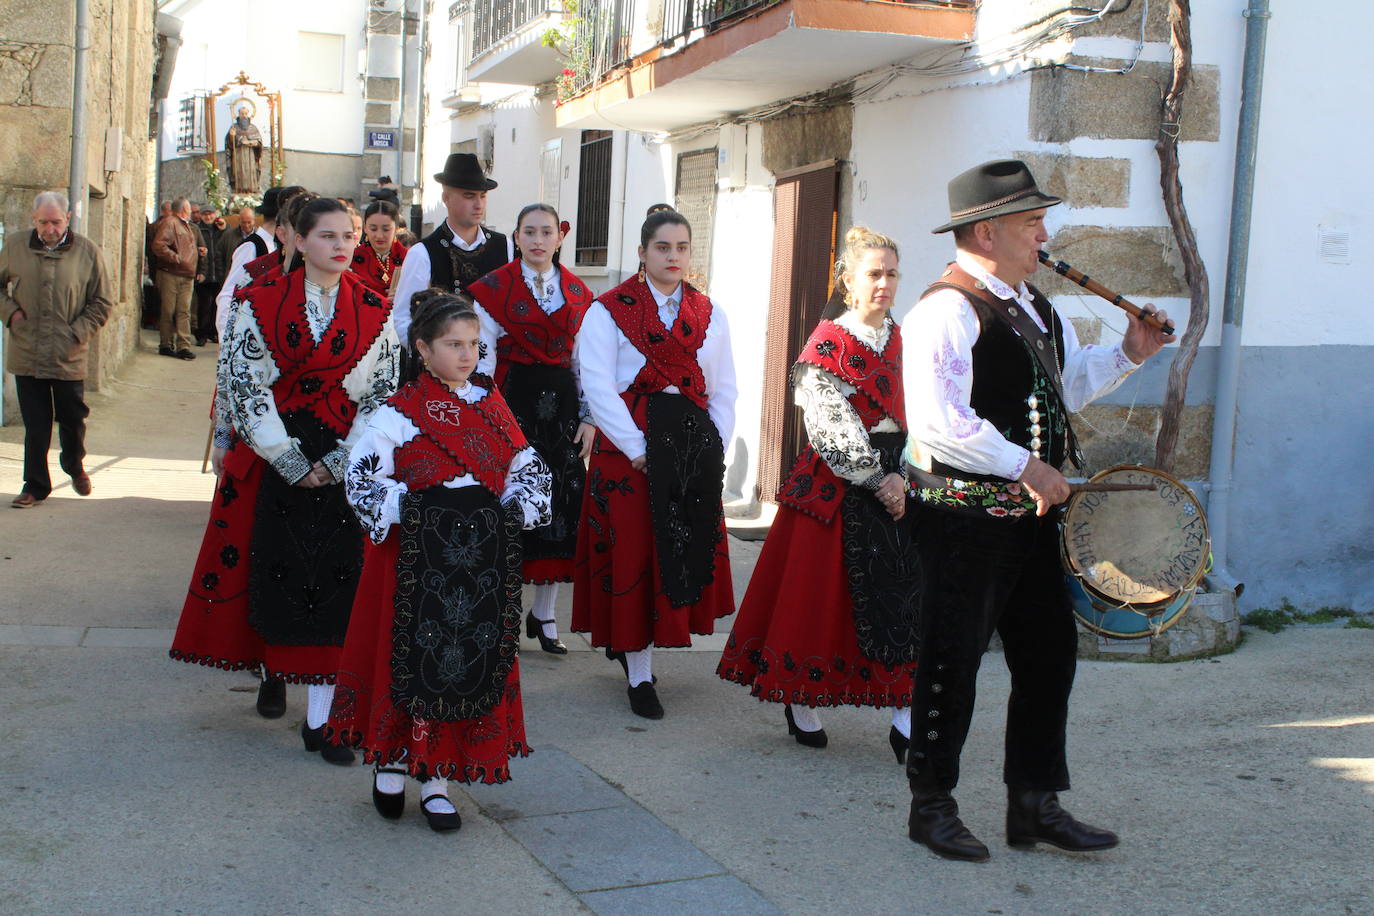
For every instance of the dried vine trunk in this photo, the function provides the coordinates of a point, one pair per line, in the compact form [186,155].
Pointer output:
[1194,271]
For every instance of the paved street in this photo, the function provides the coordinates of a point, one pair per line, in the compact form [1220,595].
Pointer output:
[133,784]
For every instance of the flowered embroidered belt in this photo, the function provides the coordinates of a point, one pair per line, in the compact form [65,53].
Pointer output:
[973,497]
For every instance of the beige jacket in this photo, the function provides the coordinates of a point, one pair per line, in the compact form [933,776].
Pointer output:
[66,297]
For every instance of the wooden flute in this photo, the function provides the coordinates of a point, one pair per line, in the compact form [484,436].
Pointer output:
[1116,299]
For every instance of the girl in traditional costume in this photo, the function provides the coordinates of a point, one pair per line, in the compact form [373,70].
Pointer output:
[311,355]
[530,311]
[654,361]
[379,256]
[829,618]
[444,482]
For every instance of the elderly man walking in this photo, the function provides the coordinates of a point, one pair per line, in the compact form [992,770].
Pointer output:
[177,249]
[54,294]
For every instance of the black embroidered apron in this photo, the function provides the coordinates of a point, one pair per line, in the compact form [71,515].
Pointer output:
[545,403]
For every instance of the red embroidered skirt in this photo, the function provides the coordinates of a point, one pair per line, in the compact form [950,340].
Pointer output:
[794,640]
[214,628]
[617,589]
[548,570]
[364,716]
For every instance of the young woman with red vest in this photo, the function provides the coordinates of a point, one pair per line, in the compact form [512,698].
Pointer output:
[378,258]
[530,311]
[444,482]
[312,355]
[830,615]
[654,360]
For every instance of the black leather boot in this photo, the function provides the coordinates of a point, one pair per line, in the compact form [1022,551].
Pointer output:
[1034,816]
[935,823]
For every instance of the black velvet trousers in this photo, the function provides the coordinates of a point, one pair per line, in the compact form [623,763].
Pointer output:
[985,574]
[42,400]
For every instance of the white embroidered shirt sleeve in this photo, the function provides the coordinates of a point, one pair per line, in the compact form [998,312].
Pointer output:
[602,361]
[488,332]
[414,276]
[717,363]
[834,428]
[530,483]
[252,406]
[368,385]
[372,491]
[1091,371]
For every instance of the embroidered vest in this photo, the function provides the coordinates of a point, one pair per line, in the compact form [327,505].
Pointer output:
[452,268]
[670,354]
[532,336]
[456,437]
[811,486]
[259,266]
[312,374]
[1006,375]
[369,268]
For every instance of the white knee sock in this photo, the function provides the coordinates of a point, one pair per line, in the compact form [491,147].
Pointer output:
[640,665]
[806,718]
[436,787]
[319,697]
[542,608]
[901,720]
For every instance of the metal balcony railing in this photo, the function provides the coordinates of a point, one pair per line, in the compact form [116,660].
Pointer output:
[606,27]
[494,20]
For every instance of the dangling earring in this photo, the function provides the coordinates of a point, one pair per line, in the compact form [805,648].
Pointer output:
[641,272]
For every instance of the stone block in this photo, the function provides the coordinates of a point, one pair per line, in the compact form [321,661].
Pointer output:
[384,22]
[1209,626]
[51,84]
[1125,106]
[1137,262]
[1193,454]
[378,113]
[1112,434]
[35,147]
[38,21]
[14,81]
[1126,23]
[1083,181]
[372,166]
[798,140]
[408,140]
[383,89]
[1089,330]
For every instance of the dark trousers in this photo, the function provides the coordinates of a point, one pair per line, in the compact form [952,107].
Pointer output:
[203,311]
[986,574]
[41,400]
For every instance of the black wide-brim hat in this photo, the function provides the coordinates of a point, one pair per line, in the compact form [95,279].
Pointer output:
[993,189]
[268,208]
[462,170]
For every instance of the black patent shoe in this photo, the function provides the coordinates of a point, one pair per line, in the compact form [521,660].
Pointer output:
[817,738]
[390,805]
[272,698]
[440,822]
[644,701]
[899,742]
[534,629]
[314,741]
[1034,816]
[934,823]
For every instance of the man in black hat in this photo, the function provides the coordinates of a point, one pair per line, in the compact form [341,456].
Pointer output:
[461,250]
[991,373]
[260,242]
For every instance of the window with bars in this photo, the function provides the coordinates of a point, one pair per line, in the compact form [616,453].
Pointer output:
[191,124]
[594,198]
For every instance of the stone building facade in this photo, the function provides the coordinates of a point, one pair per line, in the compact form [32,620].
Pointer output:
[37,52]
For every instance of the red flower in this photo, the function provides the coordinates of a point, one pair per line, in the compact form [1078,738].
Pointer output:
[997,511]
[567,72]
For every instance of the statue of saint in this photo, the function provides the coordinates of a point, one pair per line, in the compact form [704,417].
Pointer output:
[243,148]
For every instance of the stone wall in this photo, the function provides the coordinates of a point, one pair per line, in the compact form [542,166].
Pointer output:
[36,63]
[330,174]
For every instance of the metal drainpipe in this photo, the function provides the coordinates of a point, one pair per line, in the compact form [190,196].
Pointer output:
[420,56]
[400,176]
[1237,260]
[78,189]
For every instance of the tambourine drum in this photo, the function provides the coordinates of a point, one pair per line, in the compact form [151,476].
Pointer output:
[1136,555]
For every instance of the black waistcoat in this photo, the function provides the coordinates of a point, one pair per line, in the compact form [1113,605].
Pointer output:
[1005,375]
[452,268]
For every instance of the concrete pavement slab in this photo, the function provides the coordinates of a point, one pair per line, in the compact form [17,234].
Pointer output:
[722,895]
[549,782]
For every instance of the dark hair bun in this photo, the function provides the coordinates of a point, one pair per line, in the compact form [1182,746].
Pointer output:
[433,309]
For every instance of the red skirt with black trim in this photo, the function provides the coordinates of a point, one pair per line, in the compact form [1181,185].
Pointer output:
[794,640]
[617,588]
[214,628]
[364,716]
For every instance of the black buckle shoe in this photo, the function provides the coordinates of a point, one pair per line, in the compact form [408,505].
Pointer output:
[534,629]
[1034,816]
[314,741]
[390,805]
[899,742]
[934,822]
[441,821]
[644,701]
[818,738]
[272,698]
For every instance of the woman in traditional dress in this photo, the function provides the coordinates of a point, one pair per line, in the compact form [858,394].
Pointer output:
[311,355]
[379,256]
[444,482]
[530,311]
[654,361]
[829,618]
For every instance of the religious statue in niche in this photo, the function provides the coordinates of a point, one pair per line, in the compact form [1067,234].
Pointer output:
[243,149]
